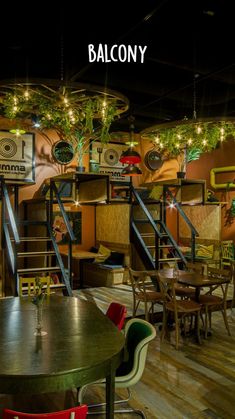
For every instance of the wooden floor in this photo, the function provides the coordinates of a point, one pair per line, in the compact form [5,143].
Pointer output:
[193,382]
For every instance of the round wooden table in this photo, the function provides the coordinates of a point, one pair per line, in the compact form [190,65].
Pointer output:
[81,346]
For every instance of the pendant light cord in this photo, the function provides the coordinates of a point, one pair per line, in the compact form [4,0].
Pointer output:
[194,96]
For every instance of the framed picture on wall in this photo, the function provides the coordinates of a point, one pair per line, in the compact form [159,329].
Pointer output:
[60,230]
[108,156]
[17,157]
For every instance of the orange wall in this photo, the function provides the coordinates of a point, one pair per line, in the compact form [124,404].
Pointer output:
[45,168]
[223,156]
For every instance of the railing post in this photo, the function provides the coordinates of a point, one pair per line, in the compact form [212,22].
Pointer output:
[51,203]
[193,246]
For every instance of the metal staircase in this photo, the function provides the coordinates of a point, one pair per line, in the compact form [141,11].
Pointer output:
[149,234]
[30,255]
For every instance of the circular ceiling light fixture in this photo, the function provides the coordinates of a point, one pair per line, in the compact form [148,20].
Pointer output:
[205,134]
[65,107]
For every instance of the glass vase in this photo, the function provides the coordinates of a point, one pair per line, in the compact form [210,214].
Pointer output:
[39,315]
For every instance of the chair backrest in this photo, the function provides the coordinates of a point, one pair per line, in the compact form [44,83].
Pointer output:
[227,250]
[78,412]
[222,274]
[117,313]
[27,286]
[195,267]
[138,334]
[167,287]
[46,281]
[140,280]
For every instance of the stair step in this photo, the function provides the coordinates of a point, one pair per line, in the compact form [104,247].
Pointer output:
[32,254]
[168,259]
[142,221]
[33,270]
[164,246]
[32,222]
[33,239]
[147,234]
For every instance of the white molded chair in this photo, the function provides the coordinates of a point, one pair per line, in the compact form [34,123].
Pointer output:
[138,334]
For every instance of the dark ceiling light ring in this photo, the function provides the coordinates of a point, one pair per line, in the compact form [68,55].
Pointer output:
[131,170]
[130,156]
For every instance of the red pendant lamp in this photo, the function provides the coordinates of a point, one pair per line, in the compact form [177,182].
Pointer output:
[130,156]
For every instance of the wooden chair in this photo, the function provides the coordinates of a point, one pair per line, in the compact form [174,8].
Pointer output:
[211,302]
[179,308]
[227,253]
[144,291]
[27,286]
[78,412]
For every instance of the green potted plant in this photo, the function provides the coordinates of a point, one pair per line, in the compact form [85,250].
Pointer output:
[188,156]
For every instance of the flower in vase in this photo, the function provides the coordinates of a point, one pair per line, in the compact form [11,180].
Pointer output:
[39,294]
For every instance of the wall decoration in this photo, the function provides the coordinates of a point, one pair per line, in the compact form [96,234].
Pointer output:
[63,152]
[59,228]
[17,157]
[153,160]
[109,159]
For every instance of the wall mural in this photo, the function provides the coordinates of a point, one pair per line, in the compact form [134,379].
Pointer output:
[60,230]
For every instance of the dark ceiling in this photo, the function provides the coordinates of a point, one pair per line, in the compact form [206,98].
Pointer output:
[189,61]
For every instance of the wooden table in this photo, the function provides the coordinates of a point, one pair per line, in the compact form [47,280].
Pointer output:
[80,255]
[81,346]
[193,279]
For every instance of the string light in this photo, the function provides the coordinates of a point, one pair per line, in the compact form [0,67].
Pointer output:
[173,137]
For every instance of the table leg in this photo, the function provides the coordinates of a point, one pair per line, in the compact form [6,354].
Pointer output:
[110,393]
[80,273]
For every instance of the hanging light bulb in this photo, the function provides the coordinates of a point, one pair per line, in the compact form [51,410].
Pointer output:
[17,132]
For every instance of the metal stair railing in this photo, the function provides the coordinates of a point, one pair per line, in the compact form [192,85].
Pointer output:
[67,277]
[157,232]
[194,232]
[7,243]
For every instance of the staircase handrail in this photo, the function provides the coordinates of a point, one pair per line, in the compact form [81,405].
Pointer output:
[10,211]
[181,211]
[145,210]
[63,212]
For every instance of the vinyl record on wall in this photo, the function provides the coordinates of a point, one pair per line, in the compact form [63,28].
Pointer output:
[111,157]
[153,160]
[8,148]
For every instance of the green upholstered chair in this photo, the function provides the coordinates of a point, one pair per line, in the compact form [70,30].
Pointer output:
[138,334]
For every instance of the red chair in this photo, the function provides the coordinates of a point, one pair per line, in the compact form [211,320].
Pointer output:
[78,412]
[117,313]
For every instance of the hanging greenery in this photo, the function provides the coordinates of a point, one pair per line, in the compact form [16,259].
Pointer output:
[194,135]
[76,112]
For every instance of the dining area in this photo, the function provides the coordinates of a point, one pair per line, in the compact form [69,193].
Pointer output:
[80,345]
[189,298]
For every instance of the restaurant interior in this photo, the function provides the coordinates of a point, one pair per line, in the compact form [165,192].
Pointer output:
[117,180]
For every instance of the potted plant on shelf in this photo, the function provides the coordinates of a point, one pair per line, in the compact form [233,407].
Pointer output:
[185,158]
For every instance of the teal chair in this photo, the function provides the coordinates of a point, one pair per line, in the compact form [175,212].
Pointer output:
[138,334]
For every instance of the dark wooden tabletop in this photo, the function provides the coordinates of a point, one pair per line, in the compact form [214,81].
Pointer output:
[192,279]
[81,345]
